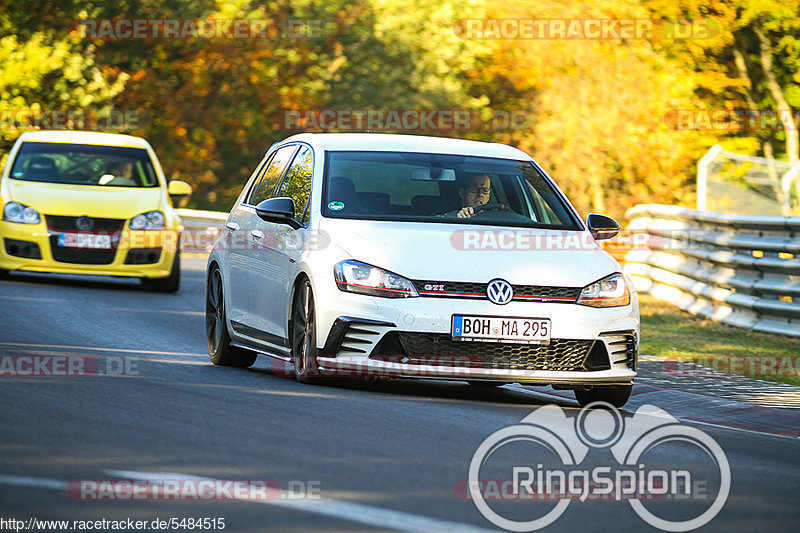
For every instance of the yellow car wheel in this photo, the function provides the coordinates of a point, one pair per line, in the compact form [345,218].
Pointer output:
[169,284]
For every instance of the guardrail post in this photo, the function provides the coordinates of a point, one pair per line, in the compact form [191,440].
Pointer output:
[702,175]
[786,187]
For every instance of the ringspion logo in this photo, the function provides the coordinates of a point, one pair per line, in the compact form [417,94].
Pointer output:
[560,446]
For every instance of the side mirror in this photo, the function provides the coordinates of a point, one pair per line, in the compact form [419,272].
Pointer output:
[279,210]
[178,189]
[602,227]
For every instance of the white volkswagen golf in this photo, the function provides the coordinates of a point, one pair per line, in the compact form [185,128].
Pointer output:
[399,255]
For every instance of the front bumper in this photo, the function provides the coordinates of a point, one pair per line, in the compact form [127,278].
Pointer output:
[33,248]
[411,338]
[354,366]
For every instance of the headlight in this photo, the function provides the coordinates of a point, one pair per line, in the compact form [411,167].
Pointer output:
[611,291]
[361,278]
[151,220]
[16,212]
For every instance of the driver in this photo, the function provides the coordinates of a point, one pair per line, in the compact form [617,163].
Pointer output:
[118,173]
[473,193]
[123,169]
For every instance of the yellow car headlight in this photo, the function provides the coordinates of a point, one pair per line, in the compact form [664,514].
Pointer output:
[23,214]
[149,220]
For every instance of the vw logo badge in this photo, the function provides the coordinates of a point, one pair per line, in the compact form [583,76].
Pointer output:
[499,291]
[84,223]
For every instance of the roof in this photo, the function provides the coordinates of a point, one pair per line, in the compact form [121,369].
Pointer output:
[84,137]
[383,142]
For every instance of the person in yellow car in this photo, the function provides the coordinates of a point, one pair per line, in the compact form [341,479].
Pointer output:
[119,173]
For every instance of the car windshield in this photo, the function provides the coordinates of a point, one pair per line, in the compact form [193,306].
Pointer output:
[84,164]
[435,187]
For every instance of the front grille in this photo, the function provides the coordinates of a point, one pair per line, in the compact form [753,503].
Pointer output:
[62,223]
[442,349]
[533,291]
[82,256]
[459,289]
[450,288]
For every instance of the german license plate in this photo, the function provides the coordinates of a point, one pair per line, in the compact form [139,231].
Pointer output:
[85,240]
[493,328]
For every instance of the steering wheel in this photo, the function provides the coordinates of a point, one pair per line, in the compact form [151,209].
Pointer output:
[478,209]
[489,207]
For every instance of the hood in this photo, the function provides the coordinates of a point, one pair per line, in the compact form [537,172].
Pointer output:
[79,200]
[474,253]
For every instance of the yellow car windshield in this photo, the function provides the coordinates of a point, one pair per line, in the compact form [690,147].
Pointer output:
[84,164]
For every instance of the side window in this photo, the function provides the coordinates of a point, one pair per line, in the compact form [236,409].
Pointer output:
[297,183]
[255,177]
[271,175]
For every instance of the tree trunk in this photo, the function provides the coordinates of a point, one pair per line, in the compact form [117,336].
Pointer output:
[785,112]
[772,173]
[741,67]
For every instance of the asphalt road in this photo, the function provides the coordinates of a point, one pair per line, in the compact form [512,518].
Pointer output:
[348,456]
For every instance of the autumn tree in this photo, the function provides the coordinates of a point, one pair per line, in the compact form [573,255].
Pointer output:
[43,69]
[598,108]
[748,65]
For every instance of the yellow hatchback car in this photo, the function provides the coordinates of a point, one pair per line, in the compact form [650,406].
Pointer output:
[90,203]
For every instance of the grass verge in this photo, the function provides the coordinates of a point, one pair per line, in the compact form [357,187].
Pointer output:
[668,331]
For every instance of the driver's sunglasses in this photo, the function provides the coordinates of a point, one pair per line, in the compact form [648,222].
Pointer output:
[483,191]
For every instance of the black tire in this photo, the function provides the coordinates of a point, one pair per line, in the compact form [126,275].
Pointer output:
[169,284]
[486,384]
[304,335]
[616,395]
[217,338]
[3,273]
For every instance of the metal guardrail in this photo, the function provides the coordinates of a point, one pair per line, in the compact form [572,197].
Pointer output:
[200,228]
[195,219]
[743,270]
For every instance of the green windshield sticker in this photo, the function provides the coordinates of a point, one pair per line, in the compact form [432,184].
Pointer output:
[336,206]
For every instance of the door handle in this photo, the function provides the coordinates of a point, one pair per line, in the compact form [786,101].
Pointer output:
[233,226]
[256,233]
